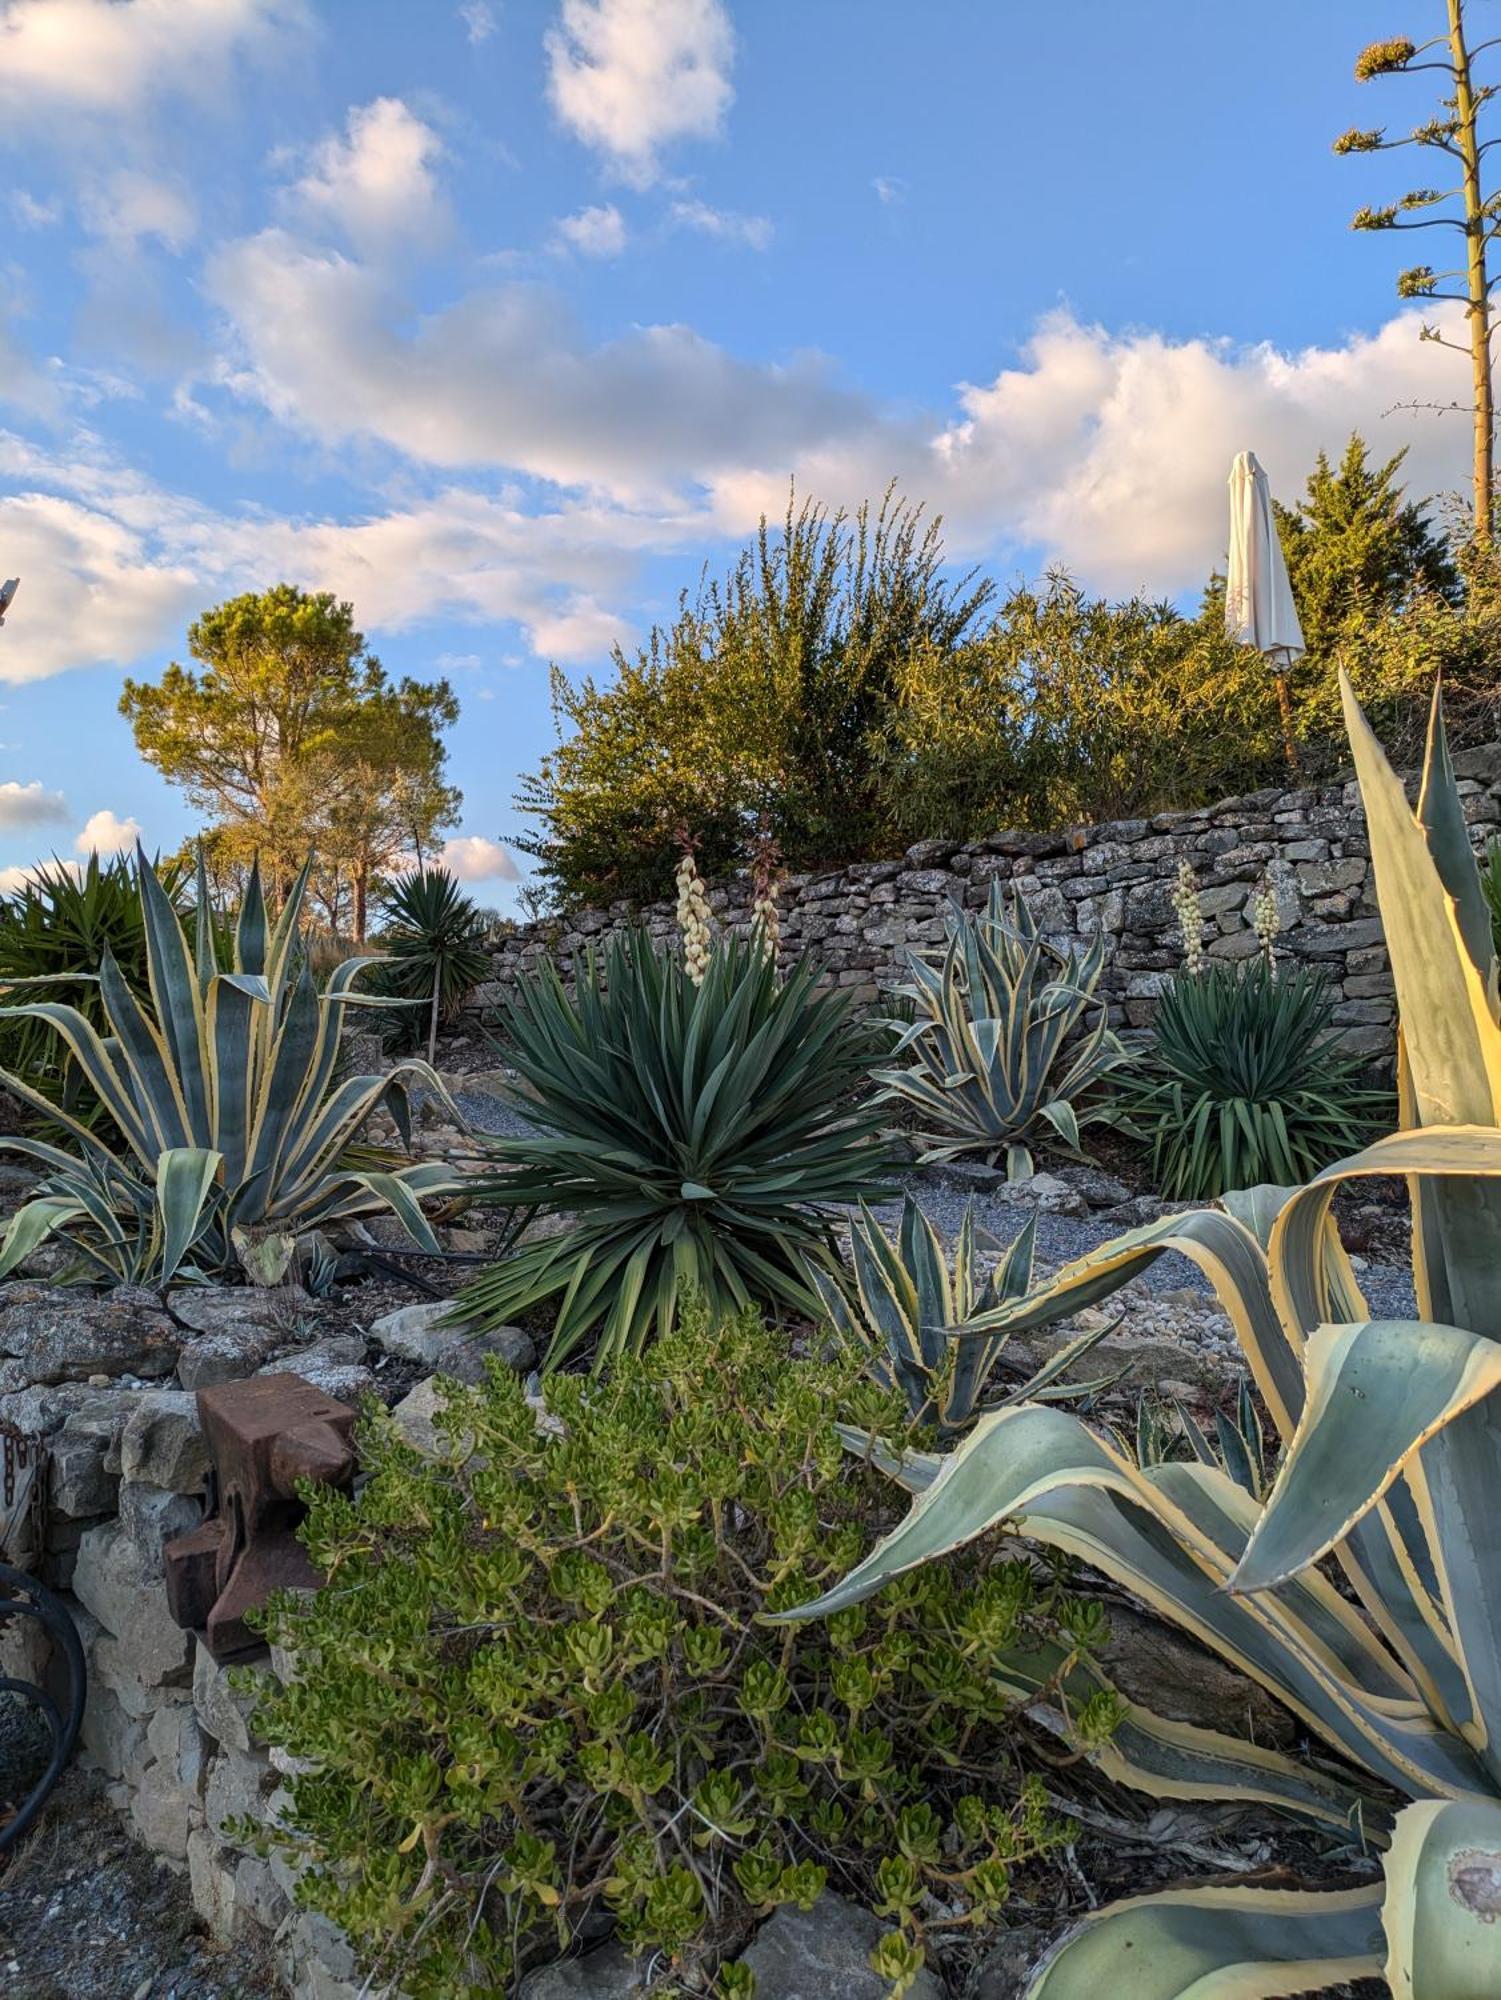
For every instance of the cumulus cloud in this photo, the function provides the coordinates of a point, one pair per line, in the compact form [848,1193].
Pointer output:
[506,377]
[25,806]
[628,77]
[32,213]
[891,190]
[469,857]
[595,232]
[752,232]
[378,181]
[105,57]
[104,832]
[126,206]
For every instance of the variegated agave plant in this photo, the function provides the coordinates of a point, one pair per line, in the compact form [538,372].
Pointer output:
[224,1123]
[990,1073]
[1391,1467]
[902,1301]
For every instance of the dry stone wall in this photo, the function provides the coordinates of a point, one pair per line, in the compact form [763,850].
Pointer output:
[1309,843]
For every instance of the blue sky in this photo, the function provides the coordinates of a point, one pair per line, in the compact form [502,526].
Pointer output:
[502,318]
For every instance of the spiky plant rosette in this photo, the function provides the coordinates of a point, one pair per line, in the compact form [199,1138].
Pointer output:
[696,1133]
[434,945]
[228,1121]
[1246,1080]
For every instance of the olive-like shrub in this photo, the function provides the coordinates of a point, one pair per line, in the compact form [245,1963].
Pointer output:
[537,1694]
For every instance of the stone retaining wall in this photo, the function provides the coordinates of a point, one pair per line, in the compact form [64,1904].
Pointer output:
[1310,844]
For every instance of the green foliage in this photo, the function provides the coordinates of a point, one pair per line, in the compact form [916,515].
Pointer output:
[695,1133]
[536,1690]
[434,940]
[1164,1434]
[1244,1081]
[991,1073]
[903,1303]
[1490,883]
[759,704]
[54,931]
[292,739]
[1390,1434]
[226,1120]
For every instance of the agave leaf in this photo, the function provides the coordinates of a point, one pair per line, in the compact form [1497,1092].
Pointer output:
[31,1225]
[1442,1873]
[1231,1944]
[184,1179]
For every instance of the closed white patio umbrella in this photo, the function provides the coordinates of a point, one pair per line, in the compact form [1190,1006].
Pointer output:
[1259,607]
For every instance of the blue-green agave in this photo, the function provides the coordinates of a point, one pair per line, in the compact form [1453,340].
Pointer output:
[224,1120]
[1391,1467]
[989,1070]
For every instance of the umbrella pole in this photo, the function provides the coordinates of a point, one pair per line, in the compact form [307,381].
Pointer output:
[1285,710]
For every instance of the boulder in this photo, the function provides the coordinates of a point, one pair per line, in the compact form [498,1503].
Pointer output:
[415,1417]
[163,1443]
[824,1954]
[1162,1668]
[64,1336]
[232,1309]
[418,1333]
[607,1973]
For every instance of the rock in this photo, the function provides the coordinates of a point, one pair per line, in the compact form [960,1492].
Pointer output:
[65,1336]
[236,1788]
[231,1351]
[152,1516]
[607,1973]
[219,1309]
[417,1333]
[113,1581]
[1155,1664]
[1004,1971]
[415,1417]
[1044,1192]
[222,1713]
[78,1482]
[163,1444]
[824,1954]
[340,1380]
[1099,1189]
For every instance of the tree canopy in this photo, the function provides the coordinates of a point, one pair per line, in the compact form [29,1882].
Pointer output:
[290,738]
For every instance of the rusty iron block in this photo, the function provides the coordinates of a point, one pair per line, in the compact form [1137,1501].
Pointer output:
[263,1435]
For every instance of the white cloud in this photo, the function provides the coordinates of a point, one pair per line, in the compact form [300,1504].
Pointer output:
[628,77]
[107,57]
[479,21]
[104,832]
[754,232]
[505,377]
[126,206]
[469,857]
[34,214]
[378,183]
[29,806]
[595,232]
[891,190]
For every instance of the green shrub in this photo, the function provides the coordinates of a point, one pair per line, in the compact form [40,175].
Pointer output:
[1244,1082]
[991,1073]
[696,1133]
[436,953]
[536,1689]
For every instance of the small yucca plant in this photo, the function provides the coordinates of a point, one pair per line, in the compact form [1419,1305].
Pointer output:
[993,1068]
[698,1130]
[435,955]
[227,1122]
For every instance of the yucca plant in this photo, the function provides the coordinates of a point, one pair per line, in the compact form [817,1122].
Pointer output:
[1245,1082]
[1391,1434]
[435,954]
[989,1072]
[698,1132]
[1237,1446]
[902,1301]
[227,1123]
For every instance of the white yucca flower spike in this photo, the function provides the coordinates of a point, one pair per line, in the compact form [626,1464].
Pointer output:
[693,918]
[767,877]
[1266,919]
[1190,918]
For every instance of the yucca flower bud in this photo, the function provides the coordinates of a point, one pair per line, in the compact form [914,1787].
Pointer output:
[1190,919]
[693,917]
[1266,919]
[767,877]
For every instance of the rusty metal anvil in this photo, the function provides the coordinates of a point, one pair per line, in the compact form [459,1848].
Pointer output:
[263,1435]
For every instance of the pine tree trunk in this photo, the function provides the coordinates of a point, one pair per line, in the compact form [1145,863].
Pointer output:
[361,902]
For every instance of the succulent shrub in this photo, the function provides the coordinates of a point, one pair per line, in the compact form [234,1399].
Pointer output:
[1237,1446]
[903,1303]
[1245,1082]
[988,1070]
[436,953]
[537,1690]
[696,1122]
[227,1124]
[1391,1462]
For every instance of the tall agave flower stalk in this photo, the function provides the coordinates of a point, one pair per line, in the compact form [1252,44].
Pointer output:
[1390,1470]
